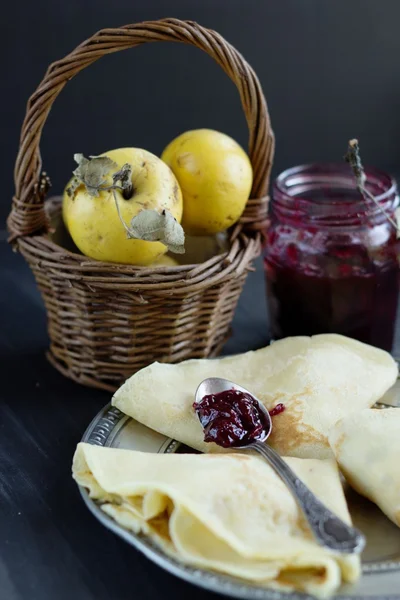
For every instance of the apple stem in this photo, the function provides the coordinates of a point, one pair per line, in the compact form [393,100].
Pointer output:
[127,229]
[128,192]
[124,176]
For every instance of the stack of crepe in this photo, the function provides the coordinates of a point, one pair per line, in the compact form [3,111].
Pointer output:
[227,512]
[319,380]
[367,448]
[230,512]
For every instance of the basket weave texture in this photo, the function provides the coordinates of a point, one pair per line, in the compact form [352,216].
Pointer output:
[106,321]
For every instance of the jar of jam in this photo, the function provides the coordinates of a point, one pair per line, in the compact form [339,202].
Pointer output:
[331,255]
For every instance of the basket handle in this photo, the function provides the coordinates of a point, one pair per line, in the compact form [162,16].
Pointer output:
[27,214]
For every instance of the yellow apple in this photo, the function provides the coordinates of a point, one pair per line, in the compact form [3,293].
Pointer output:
[94,223]
[165,261]
[215,176]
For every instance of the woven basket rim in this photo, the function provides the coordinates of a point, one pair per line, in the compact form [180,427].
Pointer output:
[53,206]
[122,267]
[160,278]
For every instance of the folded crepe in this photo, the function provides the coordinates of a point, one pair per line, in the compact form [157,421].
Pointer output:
[367,448]
[318,379]
[229,512]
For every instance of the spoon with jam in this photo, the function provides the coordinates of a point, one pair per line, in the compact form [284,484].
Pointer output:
[233,418]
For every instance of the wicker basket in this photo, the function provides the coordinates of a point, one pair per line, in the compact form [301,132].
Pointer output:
[106,320]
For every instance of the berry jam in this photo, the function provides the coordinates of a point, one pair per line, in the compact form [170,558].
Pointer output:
[231,419]
[277,410]
[331,257]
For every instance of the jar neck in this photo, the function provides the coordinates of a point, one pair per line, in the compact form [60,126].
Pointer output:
[325,195]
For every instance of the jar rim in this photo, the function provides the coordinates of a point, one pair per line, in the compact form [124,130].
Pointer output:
[338,168]
[294,194]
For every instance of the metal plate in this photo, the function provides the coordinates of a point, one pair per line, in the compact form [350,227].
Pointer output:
[381,558]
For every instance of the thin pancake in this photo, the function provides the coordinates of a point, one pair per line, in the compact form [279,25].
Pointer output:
[318,379]
[367,448]
[230,513]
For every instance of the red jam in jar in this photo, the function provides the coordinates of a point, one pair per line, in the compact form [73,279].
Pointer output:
[331,256]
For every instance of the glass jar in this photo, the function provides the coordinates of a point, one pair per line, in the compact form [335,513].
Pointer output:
[331,256]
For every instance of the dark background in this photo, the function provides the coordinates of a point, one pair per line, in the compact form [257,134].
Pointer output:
[330,71]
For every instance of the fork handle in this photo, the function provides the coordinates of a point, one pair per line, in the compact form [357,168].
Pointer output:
[328,529]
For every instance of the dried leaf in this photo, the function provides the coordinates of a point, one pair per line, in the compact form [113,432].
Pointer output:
[174,235]
[80,170]
[92,172]
[162,227]
[73,186]
[124,176]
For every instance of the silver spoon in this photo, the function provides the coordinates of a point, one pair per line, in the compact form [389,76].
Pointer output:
[328,529]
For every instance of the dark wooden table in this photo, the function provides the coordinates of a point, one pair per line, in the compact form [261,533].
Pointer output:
[51,548]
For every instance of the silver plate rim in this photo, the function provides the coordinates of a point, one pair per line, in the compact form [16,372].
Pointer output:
[101,431]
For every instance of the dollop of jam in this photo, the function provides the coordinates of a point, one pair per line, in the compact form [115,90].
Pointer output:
[231,418]
[279,408]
